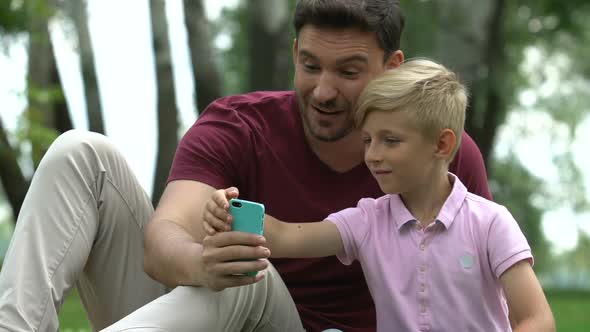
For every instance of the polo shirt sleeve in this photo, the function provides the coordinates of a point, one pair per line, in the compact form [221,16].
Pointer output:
[215,150]
[353,225]
[507,244]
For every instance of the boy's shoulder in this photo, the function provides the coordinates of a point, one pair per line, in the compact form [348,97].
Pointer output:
[376,203]
[485,211]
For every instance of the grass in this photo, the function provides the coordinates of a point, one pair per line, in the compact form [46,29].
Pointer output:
[571,310]
[72,317]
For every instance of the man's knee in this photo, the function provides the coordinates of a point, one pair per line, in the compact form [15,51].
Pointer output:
[76,145]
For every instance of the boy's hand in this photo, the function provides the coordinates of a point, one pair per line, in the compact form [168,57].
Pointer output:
[216,217]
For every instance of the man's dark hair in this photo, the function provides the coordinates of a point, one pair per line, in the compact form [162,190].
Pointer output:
[384,17]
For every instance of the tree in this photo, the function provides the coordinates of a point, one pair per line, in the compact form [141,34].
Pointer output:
[11,177]
[269,49]
[47,112]
[166,99]
[207,79]
[78,13]
[260,54]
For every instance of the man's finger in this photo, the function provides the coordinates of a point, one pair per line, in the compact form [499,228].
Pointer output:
[238,280]
[234,238]
[238,267]
[234,253]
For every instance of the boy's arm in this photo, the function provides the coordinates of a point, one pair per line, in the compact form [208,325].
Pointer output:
[527,304]
[315,239]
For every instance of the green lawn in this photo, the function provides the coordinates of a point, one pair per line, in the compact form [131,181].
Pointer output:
[571,310]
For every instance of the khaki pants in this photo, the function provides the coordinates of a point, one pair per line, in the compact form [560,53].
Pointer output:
[81,225]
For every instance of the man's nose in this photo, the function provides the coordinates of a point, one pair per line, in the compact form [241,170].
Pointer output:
[325,89]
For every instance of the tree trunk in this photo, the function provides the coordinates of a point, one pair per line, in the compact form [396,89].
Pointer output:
[13,181]
[205,73]
[270,45]
[166,99]
[79,14]
[470,42]
[47,110]
[495,108]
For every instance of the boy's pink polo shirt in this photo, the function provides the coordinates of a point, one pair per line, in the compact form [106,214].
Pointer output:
[443,278]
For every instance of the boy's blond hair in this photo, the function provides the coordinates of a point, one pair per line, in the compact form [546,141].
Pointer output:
[428,92]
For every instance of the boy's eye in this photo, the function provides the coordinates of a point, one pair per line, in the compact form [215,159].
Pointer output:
[366,140]
[391,140]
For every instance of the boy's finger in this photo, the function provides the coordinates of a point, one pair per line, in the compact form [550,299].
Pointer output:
[214,222]
[232,192]
[219,199]
[210,231]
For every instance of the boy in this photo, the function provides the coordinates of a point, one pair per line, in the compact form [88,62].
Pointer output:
[429,249]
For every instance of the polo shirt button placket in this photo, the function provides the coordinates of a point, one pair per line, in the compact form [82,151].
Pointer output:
[424,321]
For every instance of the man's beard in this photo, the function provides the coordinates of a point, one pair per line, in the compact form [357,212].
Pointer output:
[346,129]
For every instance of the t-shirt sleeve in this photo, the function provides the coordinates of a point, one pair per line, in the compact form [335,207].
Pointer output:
[353,225]
[470,168]
[507,244]
[215,149]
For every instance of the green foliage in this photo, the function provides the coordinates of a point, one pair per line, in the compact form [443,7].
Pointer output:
[514,187]
[32,129]
[16,15]
[234,61]
[13,17]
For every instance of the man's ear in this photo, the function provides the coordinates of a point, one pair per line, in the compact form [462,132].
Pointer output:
[295,50]
[445,144]
[395,59]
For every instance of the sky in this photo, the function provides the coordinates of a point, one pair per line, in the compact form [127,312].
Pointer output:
[124,62]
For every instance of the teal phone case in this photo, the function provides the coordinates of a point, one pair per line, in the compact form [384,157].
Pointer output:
[248,217]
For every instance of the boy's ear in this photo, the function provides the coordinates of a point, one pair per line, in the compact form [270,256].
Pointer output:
[445,144]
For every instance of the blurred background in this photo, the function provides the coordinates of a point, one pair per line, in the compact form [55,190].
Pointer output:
[140,71]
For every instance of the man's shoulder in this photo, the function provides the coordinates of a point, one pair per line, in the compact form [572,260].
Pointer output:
[258,100]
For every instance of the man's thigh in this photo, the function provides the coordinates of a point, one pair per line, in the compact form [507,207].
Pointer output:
[264,306]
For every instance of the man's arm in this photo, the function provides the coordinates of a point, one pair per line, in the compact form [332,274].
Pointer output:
[178,253]
[527,304]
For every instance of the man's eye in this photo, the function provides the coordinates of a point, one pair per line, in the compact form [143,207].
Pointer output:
[310,67]
[350,73]
[367,140]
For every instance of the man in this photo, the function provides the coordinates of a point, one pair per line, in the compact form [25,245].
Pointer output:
[298,153]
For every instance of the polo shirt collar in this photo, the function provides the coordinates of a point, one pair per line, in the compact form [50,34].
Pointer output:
[401,215]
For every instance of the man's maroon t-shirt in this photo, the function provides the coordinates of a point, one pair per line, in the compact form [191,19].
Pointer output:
[256,143]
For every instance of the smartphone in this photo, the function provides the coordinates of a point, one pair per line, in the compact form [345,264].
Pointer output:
[248,217]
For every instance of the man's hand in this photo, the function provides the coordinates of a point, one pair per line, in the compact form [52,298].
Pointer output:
[228,255]
[222,259]
[216,217]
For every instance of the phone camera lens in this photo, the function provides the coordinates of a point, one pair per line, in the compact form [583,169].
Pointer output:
[236,204]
